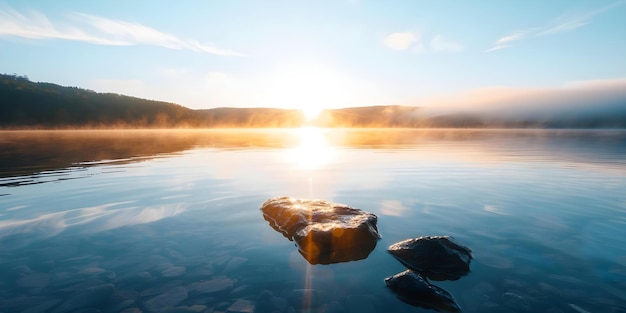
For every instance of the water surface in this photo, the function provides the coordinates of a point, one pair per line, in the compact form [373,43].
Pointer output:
[146,220]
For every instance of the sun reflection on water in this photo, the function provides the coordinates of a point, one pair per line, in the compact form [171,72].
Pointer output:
[313,151]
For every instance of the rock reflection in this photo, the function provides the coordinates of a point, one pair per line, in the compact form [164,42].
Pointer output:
[324,232]
[415,290]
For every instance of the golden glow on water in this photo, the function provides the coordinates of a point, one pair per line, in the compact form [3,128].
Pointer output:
[313,151]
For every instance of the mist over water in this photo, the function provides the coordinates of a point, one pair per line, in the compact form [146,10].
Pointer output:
[581,104]
[148,220]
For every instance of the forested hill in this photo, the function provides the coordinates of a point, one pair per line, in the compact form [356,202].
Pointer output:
[44,105]
[26,104]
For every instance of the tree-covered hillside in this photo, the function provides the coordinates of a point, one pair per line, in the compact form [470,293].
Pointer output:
[28,104]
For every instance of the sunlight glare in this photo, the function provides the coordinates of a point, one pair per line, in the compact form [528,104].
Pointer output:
[310,87]
[311,112]
[313,152]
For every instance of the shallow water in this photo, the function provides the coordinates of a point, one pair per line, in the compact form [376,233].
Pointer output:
[149,220]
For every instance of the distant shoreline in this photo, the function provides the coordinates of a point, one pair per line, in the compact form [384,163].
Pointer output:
[46,106]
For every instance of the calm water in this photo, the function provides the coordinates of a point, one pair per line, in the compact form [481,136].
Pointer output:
[150,220]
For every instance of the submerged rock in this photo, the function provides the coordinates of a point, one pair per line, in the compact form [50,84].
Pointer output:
[415,290]
[324,232]
[434,257]
[168,299]
[89,297]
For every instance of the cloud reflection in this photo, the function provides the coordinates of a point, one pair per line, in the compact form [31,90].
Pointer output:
[393,208]
[96,218]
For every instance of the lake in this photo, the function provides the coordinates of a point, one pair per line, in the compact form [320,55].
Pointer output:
[170,220]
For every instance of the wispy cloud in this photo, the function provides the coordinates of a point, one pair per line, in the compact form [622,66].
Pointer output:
[561,24]
[505,42]
[97,30]
[412,41]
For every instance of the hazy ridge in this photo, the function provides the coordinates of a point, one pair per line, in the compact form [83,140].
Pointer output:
[27,104]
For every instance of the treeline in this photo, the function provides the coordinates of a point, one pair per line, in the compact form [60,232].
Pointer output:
[44,105]
[27,104]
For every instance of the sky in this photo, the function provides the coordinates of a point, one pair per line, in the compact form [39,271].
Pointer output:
[315,54]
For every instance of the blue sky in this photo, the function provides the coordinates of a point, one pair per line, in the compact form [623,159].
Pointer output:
[314,54]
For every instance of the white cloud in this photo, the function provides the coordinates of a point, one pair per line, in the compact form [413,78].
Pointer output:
[564,23]
[412,41]
[97,30]
[441,44]
[400,41]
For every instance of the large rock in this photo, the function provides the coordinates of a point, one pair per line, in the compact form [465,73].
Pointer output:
[434,257]
[415,290]
[324,232]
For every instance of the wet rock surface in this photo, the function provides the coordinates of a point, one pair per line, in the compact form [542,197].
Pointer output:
[434,257]
[429,257]
[324,232]
[415,290]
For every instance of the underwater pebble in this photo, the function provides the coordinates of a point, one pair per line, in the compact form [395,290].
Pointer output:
[309,297]
[578,309]
[242,306]
[280,303]
[169,299]
[160,288]
[34,280]
[174,271]
[41,306]
[334,307]
[120,305]
[264,302]
[185,309]
[239,291]
[92,296]
[217,284]
[360,304]
[516,302]
[234,264]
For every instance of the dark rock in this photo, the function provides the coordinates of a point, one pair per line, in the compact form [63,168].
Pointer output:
[415,290]
[434,257]
[324,232]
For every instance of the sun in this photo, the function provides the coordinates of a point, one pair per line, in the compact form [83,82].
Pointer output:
[308,86]
[311,113]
